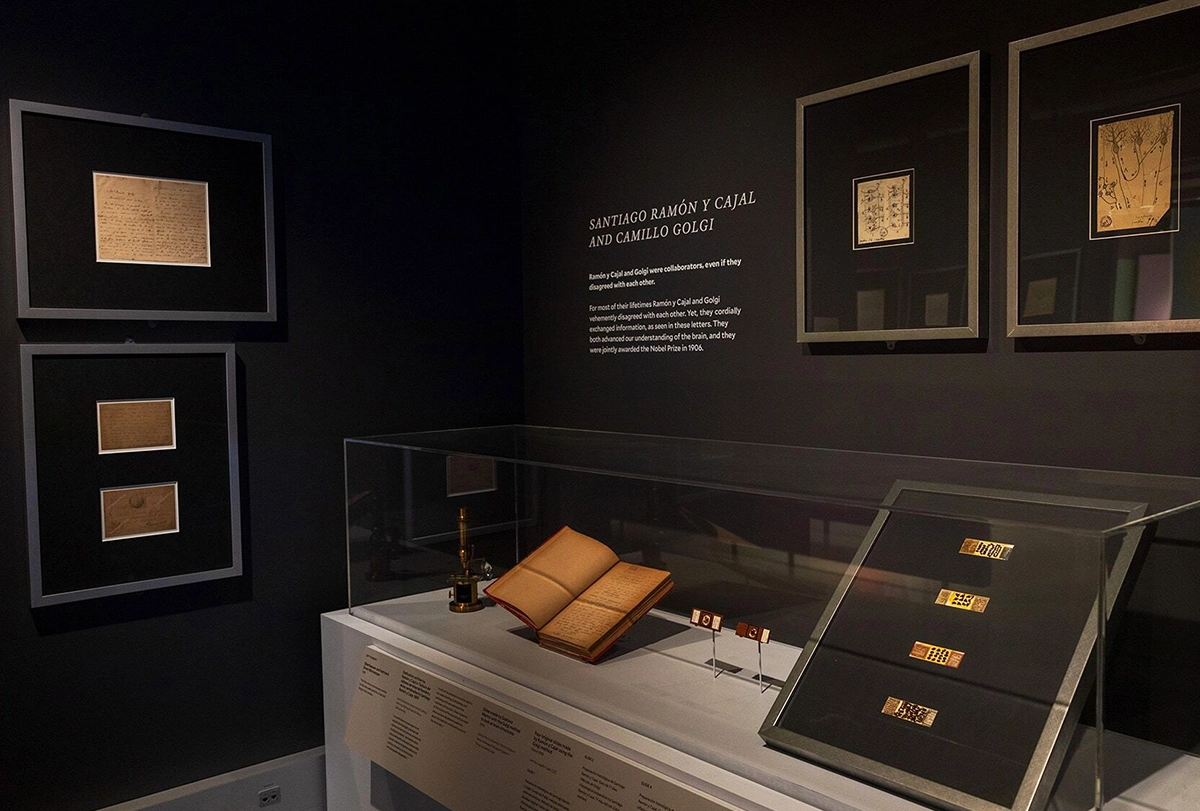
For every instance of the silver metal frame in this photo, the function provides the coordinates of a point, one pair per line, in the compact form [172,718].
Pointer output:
[1052,744]
[29,352]
[1015,49]
[972,62]
[17,108]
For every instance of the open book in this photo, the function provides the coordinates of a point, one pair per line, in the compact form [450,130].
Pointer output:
[578,595]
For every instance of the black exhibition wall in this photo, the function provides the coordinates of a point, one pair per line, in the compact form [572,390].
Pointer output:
[635,106]
[396,158]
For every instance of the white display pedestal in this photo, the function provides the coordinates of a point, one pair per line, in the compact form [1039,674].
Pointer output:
[655,681]
[652,701]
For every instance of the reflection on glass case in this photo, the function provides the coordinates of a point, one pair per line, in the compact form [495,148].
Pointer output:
[940,629]
[1103,236]
[888,206]
[937,616]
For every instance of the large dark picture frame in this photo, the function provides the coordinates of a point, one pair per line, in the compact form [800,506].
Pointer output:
[988,731]
[1103,153]
[102,469]
[107,206]
[888,185]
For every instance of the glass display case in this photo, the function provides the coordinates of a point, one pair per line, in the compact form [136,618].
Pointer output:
[933,626]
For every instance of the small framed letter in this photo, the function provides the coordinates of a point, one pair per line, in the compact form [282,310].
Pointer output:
[131,468]
[135,512]
[151,220]
[123,217]
[129,426]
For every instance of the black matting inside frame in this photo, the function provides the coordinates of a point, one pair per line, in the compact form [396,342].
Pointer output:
[60,154]
[71,472]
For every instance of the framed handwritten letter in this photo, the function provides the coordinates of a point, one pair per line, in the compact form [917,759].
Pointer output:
[888,207]
[131,468]
[1103,237]
[123,217]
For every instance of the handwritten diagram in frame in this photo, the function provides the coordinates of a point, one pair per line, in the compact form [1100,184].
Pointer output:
[1135,159]
[883,210]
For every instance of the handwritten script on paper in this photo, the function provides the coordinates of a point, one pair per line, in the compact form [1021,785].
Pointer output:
[578,595]
[135,425]
[551,576]
[883,208]
[131,512]
[150,220]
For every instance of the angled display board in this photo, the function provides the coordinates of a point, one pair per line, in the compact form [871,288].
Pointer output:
[950,663]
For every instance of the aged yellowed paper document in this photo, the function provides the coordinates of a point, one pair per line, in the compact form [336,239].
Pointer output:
[1135,161]
[125,426]
[577,594]
[150,220]
[131,512]
[552,576]
[601,608]
[883,210]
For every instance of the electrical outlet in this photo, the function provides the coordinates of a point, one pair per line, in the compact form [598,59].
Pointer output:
[269,795]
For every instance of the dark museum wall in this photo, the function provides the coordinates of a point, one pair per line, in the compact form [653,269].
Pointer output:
[396,159]
[636,106]
[633,106]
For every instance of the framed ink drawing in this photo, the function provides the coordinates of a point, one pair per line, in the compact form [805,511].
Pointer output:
[1102,159]
[951,663]
[888,187]
[131,467]
[123,217]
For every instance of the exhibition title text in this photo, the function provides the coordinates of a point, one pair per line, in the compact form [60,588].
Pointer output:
[692,217]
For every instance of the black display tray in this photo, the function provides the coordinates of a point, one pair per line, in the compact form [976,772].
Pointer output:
[1005,713]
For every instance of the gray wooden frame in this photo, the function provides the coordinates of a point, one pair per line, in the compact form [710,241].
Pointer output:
[29,352]
[972,61]
[1055,738]
[1015,49]
[16,108]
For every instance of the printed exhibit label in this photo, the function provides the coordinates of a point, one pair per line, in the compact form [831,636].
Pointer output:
[430,733]
[151,220]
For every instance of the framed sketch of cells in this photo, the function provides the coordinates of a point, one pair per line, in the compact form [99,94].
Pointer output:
[1103,232]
